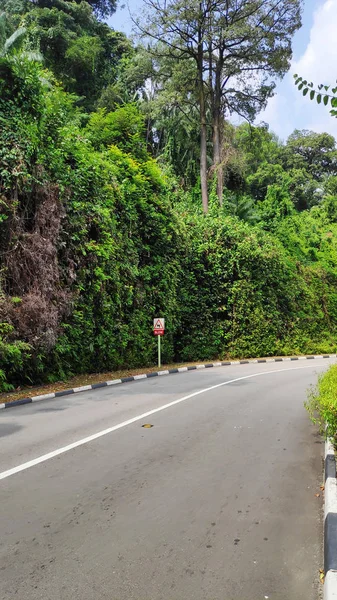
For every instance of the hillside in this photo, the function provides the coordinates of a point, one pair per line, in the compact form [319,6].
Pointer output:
[102,224]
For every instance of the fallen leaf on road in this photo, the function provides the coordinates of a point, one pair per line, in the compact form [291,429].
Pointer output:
[321,487]
[317,495]
[321,575]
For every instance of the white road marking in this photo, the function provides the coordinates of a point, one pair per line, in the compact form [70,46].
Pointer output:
[44,396]
[95,436]
[82,388]
[114,381]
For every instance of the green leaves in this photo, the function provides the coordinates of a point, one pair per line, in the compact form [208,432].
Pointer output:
[83,52]
[13,40]
[113,237]
[317,94]
[322,405]
[14,356]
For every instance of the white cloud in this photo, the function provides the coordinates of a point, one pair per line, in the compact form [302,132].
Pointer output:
[319,61]
[323,124]
[277,116]
[288,109]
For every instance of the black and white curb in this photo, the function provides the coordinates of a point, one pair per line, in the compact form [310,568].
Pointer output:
[95,386]
[330,524]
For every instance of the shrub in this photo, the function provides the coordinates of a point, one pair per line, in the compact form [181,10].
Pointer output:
[322,403]
[13,356]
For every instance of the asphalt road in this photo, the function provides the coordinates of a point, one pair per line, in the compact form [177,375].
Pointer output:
[215,502]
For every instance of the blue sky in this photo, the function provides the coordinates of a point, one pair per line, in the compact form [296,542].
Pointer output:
[314,57]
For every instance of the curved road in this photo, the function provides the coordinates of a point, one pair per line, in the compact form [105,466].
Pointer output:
[216,501]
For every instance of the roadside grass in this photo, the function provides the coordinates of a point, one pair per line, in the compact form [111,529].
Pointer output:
[322,403]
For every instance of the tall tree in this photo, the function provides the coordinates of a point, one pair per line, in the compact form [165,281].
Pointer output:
[251,44]
[82,51]
[258,145]
[314,152]
[236,48]
[102,8]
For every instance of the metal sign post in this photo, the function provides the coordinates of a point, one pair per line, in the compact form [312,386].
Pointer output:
[159,330]
[159,351]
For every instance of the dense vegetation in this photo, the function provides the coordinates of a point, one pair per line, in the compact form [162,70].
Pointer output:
[101,219]
[322,403]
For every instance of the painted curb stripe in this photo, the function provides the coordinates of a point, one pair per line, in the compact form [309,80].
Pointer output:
[64,393]
[330,586]
[330,522]
[19,402]
[114,382]
[82,388]
[96,386]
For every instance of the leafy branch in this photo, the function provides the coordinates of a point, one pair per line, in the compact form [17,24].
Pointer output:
[321,94]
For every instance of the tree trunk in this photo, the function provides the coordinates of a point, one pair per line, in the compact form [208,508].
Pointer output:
[217,133]
[203,152]
[217,137]
[203,127]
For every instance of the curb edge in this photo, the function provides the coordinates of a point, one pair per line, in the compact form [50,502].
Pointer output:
[330,523]
[85,388]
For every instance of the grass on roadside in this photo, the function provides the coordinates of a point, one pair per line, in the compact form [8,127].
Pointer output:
[322,403]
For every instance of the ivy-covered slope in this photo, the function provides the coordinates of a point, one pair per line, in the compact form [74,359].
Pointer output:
[96,240]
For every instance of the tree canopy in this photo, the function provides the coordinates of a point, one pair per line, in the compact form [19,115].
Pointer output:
[227,54]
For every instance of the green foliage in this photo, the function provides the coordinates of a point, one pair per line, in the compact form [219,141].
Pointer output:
[14,356]
[266,174]
[322,93]
[258,144]
[330,206]
[242,207]
[322,403]
[82,52]
[244,295]
[312,152]
[103,8]
[101,227]
[304,167]
[276,205]
[124,127]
